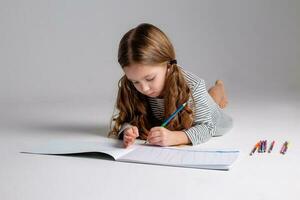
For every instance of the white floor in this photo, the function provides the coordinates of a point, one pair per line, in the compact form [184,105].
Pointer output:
[264,176]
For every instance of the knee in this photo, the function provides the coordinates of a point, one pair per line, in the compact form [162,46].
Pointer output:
[224,127]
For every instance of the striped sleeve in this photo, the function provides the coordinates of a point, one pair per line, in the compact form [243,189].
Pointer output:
[203,127]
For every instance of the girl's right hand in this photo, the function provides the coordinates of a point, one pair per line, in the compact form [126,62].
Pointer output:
[130,134]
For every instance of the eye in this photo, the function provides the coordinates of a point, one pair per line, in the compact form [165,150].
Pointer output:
[150,79]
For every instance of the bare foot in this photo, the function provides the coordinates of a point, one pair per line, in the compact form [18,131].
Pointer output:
[217,92]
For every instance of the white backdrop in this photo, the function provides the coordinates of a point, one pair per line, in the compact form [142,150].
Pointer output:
[58,80]
[67,50]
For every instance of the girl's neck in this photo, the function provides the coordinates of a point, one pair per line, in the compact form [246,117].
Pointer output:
[161,96]
[158,97]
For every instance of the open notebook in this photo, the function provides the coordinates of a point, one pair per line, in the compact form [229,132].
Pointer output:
[143,153]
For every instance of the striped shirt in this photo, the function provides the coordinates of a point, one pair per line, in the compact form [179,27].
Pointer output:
[207,114]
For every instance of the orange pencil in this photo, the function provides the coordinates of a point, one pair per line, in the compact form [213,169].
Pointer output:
[254,149]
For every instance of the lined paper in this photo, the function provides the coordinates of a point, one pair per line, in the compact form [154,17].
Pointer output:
[181,157]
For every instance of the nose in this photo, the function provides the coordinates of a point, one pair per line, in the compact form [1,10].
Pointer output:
[145,87]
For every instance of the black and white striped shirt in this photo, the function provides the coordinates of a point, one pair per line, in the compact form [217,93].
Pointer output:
[207,113]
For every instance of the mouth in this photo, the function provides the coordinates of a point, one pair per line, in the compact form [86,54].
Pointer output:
[151,94]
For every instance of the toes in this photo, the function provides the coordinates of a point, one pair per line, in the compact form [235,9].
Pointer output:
[219,82]
[222,105]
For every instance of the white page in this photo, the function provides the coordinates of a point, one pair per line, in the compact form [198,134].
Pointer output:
[181,157]
[109,146]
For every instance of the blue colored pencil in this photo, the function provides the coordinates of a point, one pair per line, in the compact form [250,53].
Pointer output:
[173,115]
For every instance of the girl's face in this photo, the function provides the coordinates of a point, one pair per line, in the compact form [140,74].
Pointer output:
[147,79]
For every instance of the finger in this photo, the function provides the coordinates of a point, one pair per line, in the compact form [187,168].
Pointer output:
[159,141]
[125,140]
[131,134]
[125,143]
[156,128]
[154,134]
[151,139]
[128,131]
[151,134]
[136,131]
[129,138]
[155,140]
[130,142]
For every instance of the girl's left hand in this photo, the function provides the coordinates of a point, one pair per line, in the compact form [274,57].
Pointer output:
[161,136]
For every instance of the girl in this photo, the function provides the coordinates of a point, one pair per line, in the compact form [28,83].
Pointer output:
[154,86]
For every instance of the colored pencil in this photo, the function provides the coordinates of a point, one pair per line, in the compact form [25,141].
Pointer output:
[172,116]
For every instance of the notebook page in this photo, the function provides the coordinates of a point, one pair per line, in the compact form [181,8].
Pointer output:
[109,146]
[180,157]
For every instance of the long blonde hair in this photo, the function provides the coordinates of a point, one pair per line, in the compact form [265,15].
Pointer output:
[148,45]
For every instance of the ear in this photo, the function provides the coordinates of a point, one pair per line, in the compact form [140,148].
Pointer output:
[168,67]
[168,70]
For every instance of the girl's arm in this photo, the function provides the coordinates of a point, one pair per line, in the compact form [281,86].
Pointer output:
[203,128]
[201,131]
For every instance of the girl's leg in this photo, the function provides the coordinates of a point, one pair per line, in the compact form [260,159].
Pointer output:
[217,92]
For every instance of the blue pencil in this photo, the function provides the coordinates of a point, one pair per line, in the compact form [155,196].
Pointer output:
[173,115]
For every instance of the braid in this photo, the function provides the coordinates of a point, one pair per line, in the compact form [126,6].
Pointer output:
[177,93]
